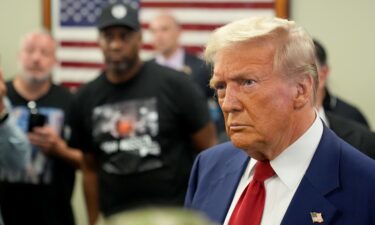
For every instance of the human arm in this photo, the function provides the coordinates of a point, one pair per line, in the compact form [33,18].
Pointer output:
[205,137]
[15,149]
[194,107]
[52,144]
[90,187]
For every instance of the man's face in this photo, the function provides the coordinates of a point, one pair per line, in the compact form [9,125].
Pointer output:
[256,101]
[120,47]
[165,33]
[37,57]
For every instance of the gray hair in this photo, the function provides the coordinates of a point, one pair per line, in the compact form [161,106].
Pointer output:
[294,48]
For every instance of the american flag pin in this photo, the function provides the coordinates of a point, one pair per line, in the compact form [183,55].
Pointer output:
[316,217]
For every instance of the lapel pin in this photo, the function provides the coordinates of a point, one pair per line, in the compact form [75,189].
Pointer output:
[316,217]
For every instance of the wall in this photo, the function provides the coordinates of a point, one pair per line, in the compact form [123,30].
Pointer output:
[16,18]
[346,28]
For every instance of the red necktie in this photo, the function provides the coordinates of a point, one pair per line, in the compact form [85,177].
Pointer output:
[249,208]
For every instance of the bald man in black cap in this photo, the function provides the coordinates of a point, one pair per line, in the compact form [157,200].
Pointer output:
[139,124]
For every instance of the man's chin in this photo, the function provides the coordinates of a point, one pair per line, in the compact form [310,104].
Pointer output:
[35,78]
[118,68]
[242,141]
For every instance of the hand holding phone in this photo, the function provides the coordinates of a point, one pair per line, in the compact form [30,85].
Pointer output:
[36,120]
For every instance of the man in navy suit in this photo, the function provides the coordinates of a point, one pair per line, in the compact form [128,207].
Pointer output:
[266,78]
[166,32]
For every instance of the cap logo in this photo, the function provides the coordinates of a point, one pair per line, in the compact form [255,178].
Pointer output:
[118,11]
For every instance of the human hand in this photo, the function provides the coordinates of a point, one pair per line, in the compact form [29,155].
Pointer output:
[47,140]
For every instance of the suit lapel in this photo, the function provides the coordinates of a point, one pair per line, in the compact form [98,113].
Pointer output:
[223,189]
[321,178]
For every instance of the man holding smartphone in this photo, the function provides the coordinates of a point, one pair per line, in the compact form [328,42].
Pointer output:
[43,191]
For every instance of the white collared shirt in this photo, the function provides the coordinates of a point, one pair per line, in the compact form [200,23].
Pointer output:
[322,114]
[290,167]
[176,61]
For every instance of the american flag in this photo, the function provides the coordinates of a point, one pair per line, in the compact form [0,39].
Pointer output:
[73,25]
[316,217]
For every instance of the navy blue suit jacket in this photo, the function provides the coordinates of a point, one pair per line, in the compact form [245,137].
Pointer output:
[339,183]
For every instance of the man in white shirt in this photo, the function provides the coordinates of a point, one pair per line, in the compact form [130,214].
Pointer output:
[266,79]
[166,32]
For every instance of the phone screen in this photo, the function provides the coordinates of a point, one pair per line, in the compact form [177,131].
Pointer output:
[36,120]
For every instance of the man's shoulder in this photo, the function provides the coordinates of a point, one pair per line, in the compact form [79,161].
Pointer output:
[353,132]
[91,86]
[346,107]
[189,57]
[151,66]
[356,160]
[167,77]
[60,90]
[352,162]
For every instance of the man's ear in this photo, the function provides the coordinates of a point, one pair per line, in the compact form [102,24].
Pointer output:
[305,91]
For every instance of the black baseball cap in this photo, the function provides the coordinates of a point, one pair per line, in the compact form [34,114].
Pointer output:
[118,14]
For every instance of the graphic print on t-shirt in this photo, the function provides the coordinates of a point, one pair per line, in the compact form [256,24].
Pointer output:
[125,132]
[39,169]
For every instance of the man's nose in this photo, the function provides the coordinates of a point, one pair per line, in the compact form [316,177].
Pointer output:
[115,44]
[36,56]
[230,102]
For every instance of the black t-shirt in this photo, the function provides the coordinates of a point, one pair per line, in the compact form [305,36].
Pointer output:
[41,194]
[140,132]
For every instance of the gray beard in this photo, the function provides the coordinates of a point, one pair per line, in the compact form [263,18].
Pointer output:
[34,81]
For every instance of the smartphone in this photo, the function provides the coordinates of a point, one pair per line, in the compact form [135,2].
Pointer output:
[36,120]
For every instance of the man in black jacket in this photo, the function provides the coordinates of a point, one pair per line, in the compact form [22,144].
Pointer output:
[345,120]
[331,102]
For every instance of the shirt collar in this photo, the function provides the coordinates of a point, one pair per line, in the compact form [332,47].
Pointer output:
[322,114]
[291,165]
[176,61]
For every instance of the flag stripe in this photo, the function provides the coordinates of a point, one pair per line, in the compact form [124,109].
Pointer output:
[192,26]
[74,64]
[80,58]
[209,5]
[77,44]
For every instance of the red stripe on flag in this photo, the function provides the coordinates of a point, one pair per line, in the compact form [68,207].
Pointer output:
[194,49]
[79,44]
[83,44]
[81,65]
[210,5]
[186,26]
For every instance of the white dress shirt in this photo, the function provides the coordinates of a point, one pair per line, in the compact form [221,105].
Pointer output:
[322,114]
[176,61]
[290,167]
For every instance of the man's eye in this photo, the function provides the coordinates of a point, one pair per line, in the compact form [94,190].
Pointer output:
[248,82]
[108,36]
[218,87]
